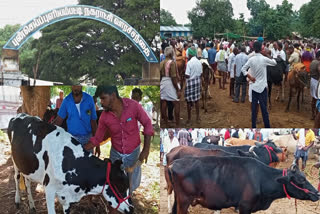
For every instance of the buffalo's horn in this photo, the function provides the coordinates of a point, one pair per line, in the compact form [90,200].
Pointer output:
[251,150]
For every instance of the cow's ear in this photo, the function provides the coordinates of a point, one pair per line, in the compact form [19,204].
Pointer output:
[283,179]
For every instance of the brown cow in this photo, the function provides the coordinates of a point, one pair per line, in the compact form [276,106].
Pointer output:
[239,142]
[298,79]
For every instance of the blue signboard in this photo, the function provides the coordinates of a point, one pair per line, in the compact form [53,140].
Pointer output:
[80,11]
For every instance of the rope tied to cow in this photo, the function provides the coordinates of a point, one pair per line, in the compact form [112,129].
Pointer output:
[269,148]
[114,189]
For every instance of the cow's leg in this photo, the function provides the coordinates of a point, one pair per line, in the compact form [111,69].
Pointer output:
[16,179]
[169,202]
[298,99]
[66,208]
[205,99]
[50,195]
[282,90]
[290,96]
[183,204]
[30,199]
[244,210]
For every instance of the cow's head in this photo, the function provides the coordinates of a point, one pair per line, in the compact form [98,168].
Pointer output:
[263,152]
[119,189]
[272,145]
[297,185]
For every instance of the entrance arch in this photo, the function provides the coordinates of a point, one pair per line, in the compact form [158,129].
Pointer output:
[80,11]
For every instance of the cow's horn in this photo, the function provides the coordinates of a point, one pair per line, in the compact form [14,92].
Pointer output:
[251,150]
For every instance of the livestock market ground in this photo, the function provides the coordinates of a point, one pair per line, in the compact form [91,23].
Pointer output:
[145,198]
[280,206]
[222,112]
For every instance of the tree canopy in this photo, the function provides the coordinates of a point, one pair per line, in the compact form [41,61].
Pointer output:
[166,18]
[210,17]
[216,16]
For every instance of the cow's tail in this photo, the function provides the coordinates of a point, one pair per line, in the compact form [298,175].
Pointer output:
[10,128]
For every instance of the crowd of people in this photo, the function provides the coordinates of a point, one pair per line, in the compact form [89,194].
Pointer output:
[243,63]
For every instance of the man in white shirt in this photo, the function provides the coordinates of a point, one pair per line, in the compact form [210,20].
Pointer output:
[231,62]
[169,143]
[258,65]
[278,52]
[193,85]
[240,60]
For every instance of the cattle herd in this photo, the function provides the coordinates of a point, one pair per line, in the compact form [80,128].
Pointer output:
[243,177]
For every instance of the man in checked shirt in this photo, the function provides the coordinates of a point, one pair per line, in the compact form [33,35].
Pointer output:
[119,121]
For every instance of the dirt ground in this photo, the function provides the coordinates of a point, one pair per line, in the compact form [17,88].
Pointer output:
[280,206]
[222,112]
[145,198]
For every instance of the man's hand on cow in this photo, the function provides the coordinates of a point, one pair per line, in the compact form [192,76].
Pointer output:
[144,155]
[97,151]
[89,146]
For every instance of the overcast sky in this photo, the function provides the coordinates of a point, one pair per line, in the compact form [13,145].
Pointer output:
[179,8]
[20,12]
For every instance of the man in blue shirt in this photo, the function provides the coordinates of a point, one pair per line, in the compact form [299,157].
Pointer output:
[79,109]
[211,59]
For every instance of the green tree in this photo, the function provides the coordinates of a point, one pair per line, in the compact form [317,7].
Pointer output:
[309,19]
[271,23]
[241,26]
[75,48]
[210,17]
[5,34]
[166,18]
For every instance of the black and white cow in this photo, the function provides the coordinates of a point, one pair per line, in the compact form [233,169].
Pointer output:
[47,154]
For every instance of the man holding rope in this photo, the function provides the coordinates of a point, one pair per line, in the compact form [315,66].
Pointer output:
[119,120]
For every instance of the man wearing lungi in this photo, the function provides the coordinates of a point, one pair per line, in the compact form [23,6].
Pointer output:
[306,138]
[315,74]
[119,120]
[193,86]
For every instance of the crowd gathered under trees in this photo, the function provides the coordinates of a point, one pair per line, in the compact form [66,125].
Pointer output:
[227,57]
